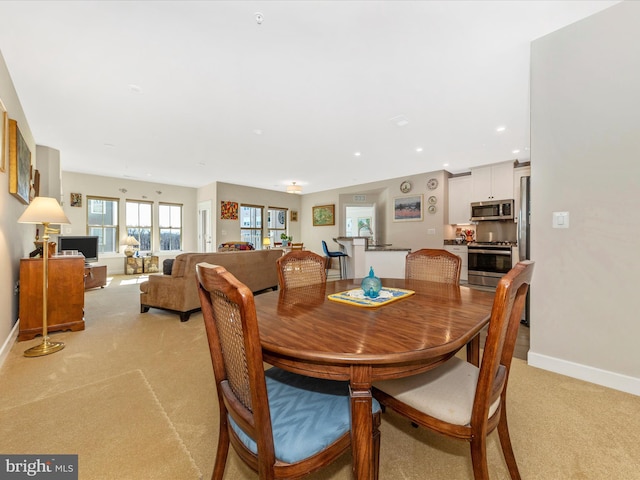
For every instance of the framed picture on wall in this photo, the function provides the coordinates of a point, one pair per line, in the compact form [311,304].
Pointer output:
[408,209]
[19,164]
[323,215]
[294,216]
[4,137]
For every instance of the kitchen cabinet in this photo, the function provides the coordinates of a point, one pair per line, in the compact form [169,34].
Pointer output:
[65,296]
[460,200]
[461,251]
[492,182]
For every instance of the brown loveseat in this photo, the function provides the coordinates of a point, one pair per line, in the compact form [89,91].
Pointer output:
[178,293]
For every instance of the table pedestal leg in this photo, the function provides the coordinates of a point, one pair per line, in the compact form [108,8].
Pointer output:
[362,425]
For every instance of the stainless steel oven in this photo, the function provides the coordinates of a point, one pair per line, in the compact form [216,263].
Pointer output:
[488,262]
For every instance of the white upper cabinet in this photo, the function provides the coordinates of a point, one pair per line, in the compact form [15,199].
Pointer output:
[492,182]
[460,199]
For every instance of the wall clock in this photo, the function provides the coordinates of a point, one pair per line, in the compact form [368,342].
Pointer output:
[432,184]
[405,187]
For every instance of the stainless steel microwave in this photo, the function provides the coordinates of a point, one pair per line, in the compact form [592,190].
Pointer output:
[492,210]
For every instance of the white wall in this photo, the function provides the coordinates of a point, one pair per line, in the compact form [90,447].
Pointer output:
[229,230]
[413,235]
[585,159]
[97,186]
[16,240]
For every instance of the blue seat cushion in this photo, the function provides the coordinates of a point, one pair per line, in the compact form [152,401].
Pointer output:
[307,414]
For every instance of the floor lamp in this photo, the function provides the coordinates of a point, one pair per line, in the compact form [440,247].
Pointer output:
[46,211]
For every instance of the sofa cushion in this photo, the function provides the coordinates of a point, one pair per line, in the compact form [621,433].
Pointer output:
[235,246]
[167,266]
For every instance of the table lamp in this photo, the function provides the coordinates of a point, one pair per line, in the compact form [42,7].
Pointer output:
[266,243]
[130,242]
[44,210]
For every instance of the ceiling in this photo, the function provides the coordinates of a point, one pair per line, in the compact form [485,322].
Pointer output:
[189,93]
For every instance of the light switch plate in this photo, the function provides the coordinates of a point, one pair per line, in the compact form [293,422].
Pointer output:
[560,220]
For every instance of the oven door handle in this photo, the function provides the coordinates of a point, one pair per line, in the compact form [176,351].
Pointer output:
[493,252]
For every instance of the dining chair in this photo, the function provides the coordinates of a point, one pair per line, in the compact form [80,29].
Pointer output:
[281,424]
[299,268]
[460,400]
[435,265]
[297,246]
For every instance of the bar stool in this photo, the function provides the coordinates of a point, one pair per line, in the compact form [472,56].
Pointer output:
[340,255]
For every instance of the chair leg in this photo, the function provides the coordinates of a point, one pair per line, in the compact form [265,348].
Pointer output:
[222,452]
[377,419]
[340,264]
[505,443]
[479,457]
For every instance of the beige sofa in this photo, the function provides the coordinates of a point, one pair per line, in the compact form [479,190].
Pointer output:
[178,292]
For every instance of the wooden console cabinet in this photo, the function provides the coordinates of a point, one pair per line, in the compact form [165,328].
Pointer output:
[95,276]
[65,298]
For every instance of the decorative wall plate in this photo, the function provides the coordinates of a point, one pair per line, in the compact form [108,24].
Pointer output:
[432,184]
[405,187]
[432,200]
[432,209]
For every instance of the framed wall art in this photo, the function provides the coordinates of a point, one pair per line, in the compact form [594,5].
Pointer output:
[75,200]
[324,215]
[4,137]
[228,210]
[294,216]
[19,164]
[408,209]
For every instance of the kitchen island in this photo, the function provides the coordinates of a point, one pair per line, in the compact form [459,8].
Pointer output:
[387,260]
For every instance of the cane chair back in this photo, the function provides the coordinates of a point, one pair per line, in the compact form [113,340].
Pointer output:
[281,424]
[460,400]
[434,265]
[299,268]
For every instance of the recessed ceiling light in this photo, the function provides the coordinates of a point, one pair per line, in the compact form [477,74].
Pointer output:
[501,129]
[515,151]
[357,154]
[419,149]
[257,131]
[135,88]
[445,164]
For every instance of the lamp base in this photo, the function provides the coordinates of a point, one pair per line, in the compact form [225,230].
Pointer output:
[45,348]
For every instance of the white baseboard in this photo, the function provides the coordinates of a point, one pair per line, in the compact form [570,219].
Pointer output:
[8,343]
[617,381]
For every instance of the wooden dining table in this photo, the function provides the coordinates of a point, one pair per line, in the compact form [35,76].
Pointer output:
[303,331]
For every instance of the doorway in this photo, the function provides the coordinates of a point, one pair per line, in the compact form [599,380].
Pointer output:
[205,238]
[360,221]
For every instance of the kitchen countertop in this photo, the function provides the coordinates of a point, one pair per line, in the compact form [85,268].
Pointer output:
[453,242]
[387,249]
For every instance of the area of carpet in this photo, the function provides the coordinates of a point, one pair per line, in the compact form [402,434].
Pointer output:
[149,448]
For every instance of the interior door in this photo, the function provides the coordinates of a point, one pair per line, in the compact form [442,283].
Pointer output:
[205,239]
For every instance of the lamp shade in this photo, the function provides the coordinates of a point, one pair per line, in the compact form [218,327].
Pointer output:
[131,241]
[266,241]
[44,210]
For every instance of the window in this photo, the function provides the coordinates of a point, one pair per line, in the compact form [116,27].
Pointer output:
[276,223]
[170,220]
[139,220]
[102,221]
[251,225]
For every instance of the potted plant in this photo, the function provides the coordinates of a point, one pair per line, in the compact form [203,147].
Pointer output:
[286,240]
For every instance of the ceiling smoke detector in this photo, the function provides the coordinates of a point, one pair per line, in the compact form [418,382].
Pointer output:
[293,188]
[259,18]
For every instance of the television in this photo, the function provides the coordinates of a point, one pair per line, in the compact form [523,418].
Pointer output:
[87,246]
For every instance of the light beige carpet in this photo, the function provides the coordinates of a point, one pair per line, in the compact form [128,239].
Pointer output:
[561,428]
[124,432]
